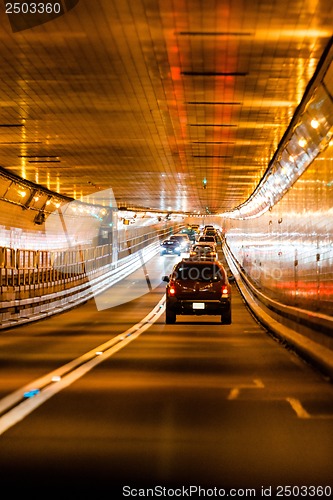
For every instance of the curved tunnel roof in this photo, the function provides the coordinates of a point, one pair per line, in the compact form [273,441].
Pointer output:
[174,105]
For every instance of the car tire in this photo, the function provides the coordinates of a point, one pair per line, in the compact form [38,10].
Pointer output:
[170,316]
[226,317]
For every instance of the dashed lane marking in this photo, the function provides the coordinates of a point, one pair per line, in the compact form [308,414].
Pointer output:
[298,408]
[234,393]
[259,383]
[302,413]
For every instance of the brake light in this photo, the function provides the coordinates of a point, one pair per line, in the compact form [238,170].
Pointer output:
[225,292]
[172,290]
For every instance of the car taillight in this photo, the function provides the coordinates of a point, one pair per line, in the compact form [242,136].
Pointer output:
[172,290]
[225,292]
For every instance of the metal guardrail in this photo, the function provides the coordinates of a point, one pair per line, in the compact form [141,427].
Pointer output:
[308,333]
[36,284]
[44,267]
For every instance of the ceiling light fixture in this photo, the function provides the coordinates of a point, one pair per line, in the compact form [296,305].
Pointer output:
[213,73]
[283,171]
[214,103]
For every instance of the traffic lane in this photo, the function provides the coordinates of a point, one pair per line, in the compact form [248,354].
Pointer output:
[29,351]
[191,403]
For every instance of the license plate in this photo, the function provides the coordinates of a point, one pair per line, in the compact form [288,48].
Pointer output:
[198,305]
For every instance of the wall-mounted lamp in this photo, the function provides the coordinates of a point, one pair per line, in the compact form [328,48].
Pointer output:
[40,218]
[314,123]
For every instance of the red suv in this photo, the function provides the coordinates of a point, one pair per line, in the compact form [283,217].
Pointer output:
[198,288]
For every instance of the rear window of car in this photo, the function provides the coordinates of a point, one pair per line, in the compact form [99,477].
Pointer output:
[207,238]
[196,272]
[202,248]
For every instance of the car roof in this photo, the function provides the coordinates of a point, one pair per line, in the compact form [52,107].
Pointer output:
[204,243]
[201,263]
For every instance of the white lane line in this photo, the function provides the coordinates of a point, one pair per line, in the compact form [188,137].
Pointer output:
[14,398]
[85,362]
[298,408]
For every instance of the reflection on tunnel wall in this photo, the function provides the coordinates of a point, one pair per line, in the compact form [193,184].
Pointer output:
[288,252]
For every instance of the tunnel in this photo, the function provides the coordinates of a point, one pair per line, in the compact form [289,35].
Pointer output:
[125,124]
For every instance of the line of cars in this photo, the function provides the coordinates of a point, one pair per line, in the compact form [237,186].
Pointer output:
[198,283]
[191,241]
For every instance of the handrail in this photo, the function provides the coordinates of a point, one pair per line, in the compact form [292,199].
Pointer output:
[291,312]
[308,333]
[36,284]
[30,267]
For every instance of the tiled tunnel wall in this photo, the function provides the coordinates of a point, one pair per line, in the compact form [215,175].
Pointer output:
[288,252]
[70,259]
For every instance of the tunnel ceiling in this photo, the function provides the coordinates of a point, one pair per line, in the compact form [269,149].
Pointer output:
[175,105]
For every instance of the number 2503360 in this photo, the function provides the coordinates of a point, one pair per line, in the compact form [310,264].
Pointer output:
[303,491]
[33,8]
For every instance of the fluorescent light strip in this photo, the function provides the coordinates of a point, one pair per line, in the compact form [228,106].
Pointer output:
[213,73]
[215,33]
[212,125]
[212,103]
[212,142]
